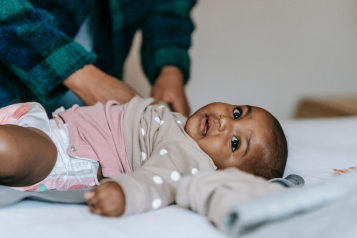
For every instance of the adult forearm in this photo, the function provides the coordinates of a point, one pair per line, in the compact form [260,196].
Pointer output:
[93,85]
[167,33]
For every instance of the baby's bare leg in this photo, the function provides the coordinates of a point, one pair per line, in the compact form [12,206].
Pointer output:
[27,155]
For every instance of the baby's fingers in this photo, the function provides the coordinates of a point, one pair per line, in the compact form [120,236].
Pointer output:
[89,195]
[96,210]
[95,206]
[92,198]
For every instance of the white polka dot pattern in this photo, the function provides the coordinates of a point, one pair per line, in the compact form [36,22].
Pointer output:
[163,151]
[194,171]
[142,131]
[179,122]
[156,203]
[159,121]
[143,156]
[157,179]
[175,176]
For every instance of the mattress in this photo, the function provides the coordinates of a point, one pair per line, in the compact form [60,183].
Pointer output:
[319,149]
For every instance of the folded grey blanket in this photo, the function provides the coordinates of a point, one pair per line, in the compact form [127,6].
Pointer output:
[335,220]
[246,217]
[9,196]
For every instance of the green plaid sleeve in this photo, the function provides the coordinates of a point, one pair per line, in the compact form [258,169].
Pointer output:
[35,50]
[167,37]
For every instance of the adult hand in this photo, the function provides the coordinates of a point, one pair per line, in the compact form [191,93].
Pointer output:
[93,85]
[169,87]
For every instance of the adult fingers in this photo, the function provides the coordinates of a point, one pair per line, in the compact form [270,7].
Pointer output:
[180,105]
[156,94]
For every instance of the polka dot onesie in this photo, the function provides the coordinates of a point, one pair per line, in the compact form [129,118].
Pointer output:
[160,153]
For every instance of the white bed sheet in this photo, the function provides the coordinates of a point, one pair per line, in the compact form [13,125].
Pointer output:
[316,148]
[42,220]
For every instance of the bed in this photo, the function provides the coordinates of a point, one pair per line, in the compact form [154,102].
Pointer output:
[319,150]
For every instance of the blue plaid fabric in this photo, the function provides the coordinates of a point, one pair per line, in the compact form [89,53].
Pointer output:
[37,51]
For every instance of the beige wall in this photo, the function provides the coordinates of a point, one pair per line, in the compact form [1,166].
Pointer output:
[267,53]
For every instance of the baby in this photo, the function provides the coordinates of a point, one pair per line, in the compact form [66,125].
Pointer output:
[144,149]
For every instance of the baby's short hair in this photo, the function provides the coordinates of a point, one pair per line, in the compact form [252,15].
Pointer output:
[273,165]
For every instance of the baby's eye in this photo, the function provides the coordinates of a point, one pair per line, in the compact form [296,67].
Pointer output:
[235,143]
[236,113]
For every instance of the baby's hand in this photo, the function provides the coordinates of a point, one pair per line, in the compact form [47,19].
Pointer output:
[108,199]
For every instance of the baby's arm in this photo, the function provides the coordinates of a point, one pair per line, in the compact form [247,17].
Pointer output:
[214,194]
[150,187]
[27,155]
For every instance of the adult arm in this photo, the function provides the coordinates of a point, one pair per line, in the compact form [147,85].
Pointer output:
[36,50]
[93,85]
[43,57]
[166,39]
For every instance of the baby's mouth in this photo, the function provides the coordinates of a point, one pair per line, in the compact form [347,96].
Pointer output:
[204,126]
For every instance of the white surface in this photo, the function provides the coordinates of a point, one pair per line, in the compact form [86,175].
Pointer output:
[267,53]
[42,220]
[316,147]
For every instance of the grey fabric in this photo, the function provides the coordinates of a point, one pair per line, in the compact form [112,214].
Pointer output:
[247,217]
[335,220]
[9,196]
[290,181]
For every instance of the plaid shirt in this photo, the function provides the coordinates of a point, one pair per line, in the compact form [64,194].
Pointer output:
[37,51]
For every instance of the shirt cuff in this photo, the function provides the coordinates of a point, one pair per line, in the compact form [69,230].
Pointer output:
[166,56]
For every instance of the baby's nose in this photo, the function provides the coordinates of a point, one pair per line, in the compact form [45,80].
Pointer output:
[222,122]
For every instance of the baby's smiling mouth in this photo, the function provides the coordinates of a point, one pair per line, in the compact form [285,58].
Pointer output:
[205,126]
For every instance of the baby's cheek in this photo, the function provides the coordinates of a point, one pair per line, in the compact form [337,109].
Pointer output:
[217,150]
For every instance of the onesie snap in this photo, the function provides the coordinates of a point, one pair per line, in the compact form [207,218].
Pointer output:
[73,148]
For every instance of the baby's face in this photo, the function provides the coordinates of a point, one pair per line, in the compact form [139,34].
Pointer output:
[230,134]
